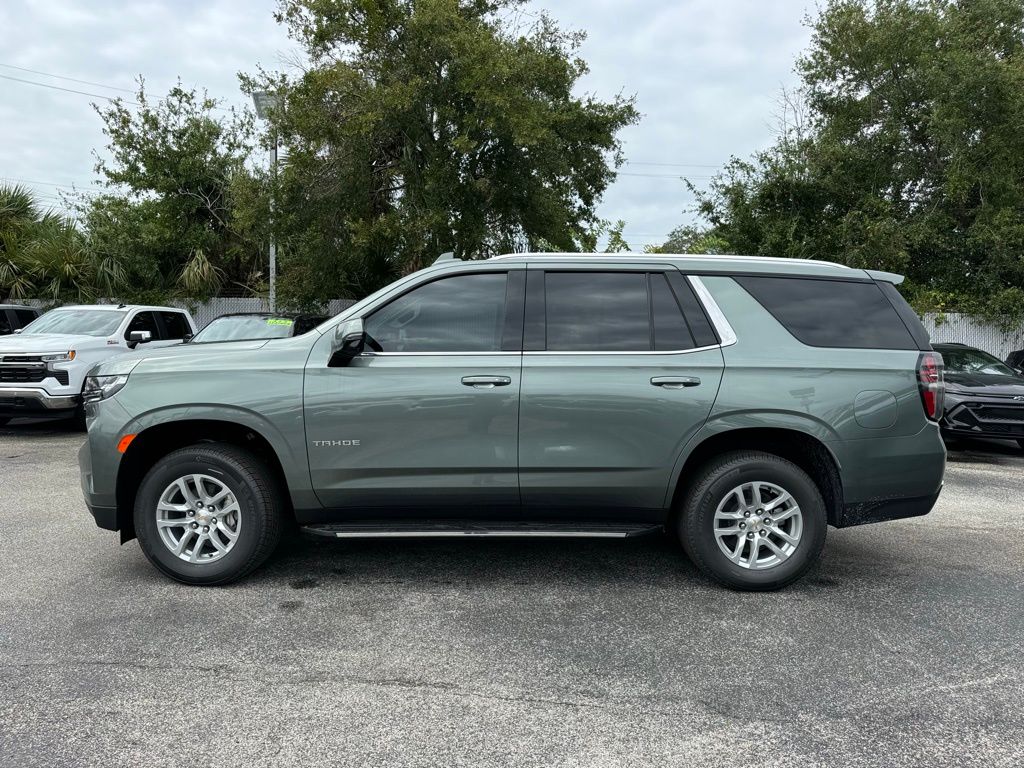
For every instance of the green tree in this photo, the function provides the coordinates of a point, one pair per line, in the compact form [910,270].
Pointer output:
[44,255]
[177,172]
[910,157]
[425,126]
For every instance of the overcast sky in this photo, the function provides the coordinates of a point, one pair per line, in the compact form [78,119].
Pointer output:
[706,74]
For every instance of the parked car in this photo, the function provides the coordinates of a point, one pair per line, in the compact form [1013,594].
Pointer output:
[742,404]
[43,368]
[984,397]
[14,317]
[247,326]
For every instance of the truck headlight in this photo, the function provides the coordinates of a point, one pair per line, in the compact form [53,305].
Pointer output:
[101,387]
[61,357]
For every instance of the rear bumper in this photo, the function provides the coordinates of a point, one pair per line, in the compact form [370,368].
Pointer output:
[879,511]
[32,401]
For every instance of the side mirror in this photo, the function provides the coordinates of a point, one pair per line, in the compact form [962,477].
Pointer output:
[349,342]
[18,330]
[187,338]
[138,337]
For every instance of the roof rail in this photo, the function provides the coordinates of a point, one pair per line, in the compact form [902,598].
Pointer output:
[658,256]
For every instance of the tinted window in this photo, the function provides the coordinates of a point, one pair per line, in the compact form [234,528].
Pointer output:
[464,313]
[143,321]
[25,316]
[89,322]
[597,311]
[175,325]
[831,313]
[5,324]
[670,328]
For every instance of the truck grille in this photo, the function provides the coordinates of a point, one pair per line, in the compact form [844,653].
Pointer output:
[10,374]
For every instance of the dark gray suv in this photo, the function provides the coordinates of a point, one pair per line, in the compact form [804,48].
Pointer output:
[740,404]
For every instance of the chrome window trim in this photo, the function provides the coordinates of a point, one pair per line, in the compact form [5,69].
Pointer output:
[715,313]
[619,352]
[502,353]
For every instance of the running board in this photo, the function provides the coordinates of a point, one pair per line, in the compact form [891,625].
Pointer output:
[446,530]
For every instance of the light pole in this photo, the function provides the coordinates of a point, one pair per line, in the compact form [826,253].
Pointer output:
[265,101]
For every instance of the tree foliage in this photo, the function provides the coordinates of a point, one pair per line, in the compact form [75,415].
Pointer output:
[910,156]
[425,126]
[44,255]
[177,178]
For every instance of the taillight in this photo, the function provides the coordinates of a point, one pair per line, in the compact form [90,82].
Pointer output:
[929,380]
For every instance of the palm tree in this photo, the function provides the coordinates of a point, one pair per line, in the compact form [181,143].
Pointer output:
[45,255]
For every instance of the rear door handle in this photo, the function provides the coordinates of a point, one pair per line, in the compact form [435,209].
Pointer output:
[486,382]
[675,382]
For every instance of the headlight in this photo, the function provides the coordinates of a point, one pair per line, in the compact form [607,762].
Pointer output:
[59,358]
[101,387]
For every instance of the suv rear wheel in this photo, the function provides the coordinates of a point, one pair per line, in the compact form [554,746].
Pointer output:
[753,521]
[208,514]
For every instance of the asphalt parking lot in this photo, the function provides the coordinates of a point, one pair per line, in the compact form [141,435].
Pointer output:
[901,649]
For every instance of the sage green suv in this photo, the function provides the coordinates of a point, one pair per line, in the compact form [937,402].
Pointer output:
[740,404]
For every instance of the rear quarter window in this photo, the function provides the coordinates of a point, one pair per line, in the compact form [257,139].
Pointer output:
[831,313]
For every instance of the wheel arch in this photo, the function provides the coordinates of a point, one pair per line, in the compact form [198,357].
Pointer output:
[156,441]
[807,451]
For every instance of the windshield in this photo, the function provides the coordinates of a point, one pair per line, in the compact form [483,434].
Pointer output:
[973,361]
[245,327]
[85,322]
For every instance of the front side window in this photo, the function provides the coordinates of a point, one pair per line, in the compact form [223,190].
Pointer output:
[143,321]
[25,316]
[463,313]
[5,323]
[87,322]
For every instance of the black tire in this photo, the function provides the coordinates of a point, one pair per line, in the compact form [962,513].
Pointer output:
[260,502]
[714,481]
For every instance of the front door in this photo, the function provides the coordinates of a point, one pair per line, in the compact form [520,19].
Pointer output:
[426,422]
[616,379]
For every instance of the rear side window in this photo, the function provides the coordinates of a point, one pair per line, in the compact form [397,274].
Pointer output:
[597,311]
[175,325]
[831,313]
[582,311]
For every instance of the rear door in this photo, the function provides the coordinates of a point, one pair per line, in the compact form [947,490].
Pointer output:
[616,378]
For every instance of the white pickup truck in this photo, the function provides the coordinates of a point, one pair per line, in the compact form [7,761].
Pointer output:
[43,366]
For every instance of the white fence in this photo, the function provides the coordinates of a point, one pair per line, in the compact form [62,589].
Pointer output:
[975,333]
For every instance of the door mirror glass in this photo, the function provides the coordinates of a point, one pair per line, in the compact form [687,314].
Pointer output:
[139,337]
[349,342]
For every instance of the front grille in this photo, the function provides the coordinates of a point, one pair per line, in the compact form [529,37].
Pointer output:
[989,418]
[21,358]
[15,375]
[1009,413]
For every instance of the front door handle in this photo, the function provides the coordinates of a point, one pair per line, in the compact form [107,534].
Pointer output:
[675,382]
[486,382]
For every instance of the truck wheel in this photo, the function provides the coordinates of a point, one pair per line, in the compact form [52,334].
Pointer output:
[208,514]
[753,521]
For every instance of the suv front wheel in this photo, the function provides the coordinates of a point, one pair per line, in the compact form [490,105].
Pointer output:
[208,514]
[753,521]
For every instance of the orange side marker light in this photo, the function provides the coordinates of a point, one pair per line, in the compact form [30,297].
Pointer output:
[125,442]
